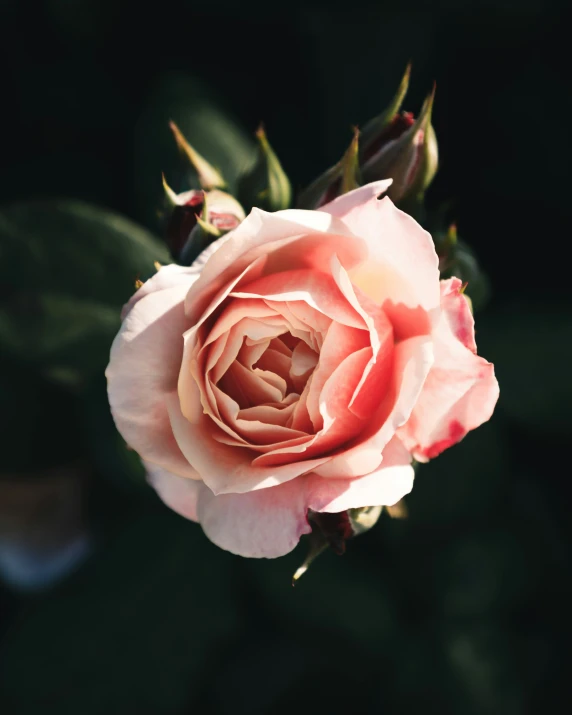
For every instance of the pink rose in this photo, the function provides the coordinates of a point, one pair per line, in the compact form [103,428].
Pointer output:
[299,364]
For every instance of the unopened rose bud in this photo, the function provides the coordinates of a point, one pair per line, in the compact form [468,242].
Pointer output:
[405,150]
[339,179]
[195,212]
[265,185]
[208,176]
[396,146]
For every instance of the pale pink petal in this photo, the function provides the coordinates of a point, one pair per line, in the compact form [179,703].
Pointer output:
[179,493]
[144,364]
[402,265]
[385,486]
[266,523]
[346,203]
[165,278]
[461,390]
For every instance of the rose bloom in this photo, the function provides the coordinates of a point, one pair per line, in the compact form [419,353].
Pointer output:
[299,364]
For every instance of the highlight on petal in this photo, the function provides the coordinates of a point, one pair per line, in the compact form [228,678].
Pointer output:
[401,265]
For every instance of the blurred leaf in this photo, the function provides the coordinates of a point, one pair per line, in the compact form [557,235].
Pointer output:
[483,670]
[134,631]
[66,268]
[531,347]
[40,423]
[463,484]
[109,453]
[352,594]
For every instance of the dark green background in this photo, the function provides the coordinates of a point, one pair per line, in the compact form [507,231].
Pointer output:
[464,607]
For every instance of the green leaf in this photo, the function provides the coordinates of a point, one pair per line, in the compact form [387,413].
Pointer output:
[67,268]
[530,345]
[134,631]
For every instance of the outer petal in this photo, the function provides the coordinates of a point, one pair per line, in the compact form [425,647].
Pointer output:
[402,265]
[144,367]
[165,278]
[179,493]
[347,202]
[269,522]
[461,390]
[263,523]
[457,313]
[391,481]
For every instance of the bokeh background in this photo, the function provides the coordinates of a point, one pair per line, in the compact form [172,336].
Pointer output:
[463,608]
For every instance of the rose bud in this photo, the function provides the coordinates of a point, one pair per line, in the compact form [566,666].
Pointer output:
[197,214]
[396,146]
[296,368]
[339,179]
[208,176]
[265,184]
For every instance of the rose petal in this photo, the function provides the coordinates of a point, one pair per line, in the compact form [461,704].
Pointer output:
[266,523]
[344,204]
[165,278]
[402,265]
[413,359]
[386,485]
[318,290]
[457,313]
[178,493]
[226,468]
[283,240]
[461,390]
[144,363]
